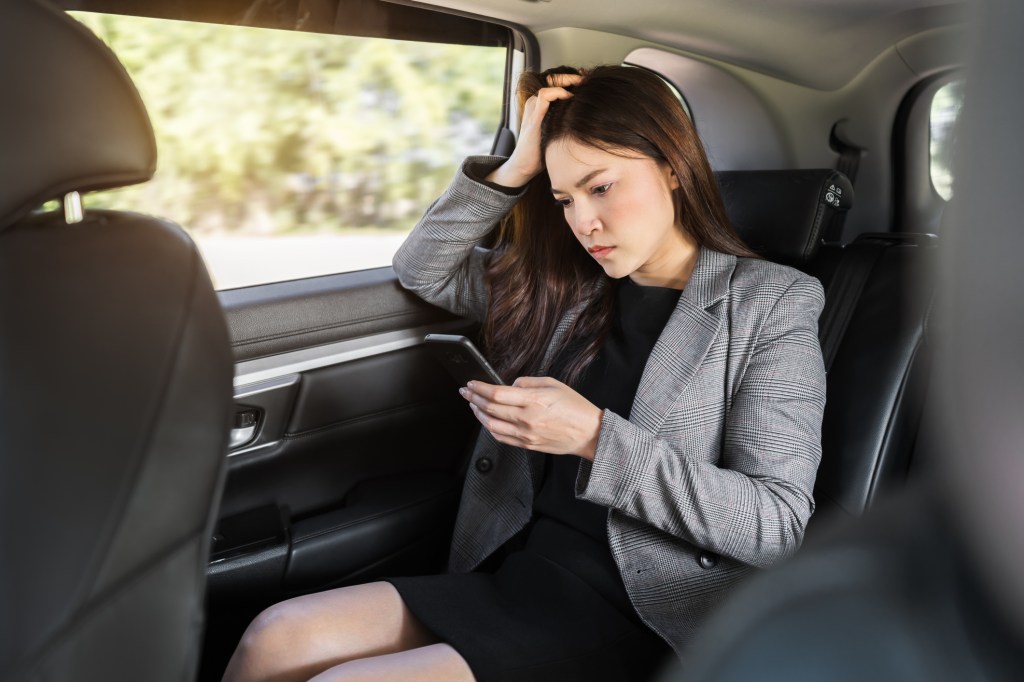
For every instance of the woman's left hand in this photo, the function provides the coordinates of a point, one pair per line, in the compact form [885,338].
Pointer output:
[537,413]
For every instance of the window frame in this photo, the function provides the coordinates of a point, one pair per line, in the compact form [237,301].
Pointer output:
[521,52]
[918,206]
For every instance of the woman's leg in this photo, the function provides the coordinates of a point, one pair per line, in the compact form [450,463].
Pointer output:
[299,638]
[434,663]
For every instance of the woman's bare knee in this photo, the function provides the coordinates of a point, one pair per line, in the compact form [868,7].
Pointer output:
[300,637]
[433,663]
[270,647]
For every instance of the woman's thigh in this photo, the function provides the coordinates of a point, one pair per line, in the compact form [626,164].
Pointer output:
[301,637]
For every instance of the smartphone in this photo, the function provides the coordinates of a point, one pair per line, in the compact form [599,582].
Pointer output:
[462,359]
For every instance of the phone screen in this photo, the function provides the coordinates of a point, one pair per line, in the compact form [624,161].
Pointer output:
[462,359]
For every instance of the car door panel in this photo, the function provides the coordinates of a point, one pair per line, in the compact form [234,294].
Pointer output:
[357,453]
[271,319]
[385,521]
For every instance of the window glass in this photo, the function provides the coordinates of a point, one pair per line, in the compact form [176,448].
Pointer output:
[288,154]
[945,110]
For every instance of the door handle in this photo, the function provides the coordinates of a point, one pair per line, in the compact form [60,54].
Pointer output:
[243,427]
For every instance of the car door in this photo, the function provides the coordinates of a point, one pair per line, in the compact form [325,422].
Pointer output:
[299,142]
[350,443]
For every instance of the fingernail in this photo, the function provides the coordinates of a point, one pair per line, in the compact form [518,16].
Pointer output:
[471,385]
[463,392]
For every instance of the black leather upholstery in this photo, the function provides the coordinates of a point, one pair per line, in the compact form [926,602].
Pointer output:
[782,214]
[878,292]
[89,129]
[115,381]
[880,361]
[892,597]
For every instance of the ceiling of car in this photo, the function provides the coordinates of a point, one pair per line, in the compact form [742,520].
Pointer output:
[817,43]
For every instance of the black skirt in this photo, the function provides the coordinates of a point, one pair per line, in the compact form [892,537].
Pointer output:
[534,619]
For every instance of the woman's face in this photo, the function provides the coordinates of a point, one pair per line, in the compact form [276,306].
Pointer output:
[620,209]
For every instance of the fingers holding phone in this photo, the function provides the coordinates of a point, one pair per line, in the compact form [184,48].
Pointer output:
[537,413]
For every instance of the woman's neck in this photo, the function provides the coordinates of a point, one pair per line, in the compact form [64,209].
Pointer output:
[673,265]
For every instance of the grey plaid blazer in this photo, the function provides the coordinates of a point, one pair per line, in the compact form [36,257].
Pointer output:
[712,472]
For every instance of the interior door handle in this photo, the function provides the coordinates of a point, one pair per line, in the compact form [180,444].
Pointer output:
[243,427]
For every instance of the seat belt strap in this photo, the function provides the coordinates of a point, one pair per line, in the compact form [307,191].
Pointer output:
[847,164]
[845,290]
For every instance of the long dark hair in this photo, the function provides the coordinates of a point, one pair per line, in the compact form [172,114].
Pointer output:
[540,271]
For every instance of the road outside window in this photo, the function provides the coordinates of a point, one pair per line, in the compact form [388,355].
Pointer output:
[289,155]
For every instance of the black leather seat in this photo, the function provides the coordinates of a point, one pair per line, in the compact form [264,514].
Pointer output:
[783,214]
[873,329]
[874,334]
[115,378]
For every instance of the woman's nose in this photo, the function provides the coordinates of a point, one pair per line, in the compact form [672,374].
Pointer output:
[586,221]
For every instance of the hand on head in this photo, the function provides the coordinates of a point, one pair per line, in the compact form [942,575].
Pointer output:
[527,160]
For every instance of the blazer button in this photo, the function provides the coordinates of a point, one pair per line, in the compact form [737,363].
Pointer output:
[484,464]
[708,560]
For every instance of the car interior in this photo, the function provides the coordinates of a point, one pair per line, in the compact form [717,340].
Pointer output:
[159,505]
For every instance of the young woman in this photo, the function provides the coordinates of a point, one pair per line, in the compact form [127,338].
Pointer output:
[660,438]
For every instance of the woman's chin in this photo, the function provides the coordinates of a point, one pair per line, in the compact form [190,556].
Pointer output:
[616,271]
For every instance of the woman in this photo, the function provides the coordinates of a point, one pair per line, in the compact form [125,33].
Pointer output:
[662,433]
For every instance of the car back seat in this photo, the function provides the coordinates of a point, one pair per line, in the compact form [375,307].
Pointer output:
[874,338]
[873,328]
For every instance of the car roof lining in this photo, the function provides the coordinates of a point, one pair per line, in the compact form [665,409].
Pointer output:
[822,44]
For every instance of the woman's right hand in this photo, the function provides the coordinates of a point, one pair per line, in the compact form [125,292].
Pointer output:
[526,161]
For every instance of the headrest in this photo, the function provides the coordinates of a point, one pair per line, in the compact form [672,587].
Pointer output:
[71,119]
[782,214]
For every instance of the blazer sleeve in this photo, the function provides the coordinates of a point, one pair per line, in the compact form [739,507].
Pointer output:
[754,505]
[440,261]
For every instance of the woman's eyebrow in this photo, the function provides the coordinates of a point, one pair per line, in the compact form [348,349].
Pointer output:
[584,180]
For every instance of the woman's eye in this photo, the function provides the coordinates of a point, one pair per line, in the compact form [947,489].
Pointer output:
[602,189]
[564,203]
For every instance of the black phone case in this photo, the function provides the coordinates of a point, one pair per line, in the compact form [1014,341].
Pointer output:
[462,359]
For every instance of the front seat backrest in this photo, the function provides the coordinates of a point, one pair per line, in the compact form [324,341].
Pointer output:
[115,378]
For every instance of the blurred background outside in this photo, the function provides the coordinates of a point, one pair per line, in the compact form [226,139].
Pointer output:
[944,112]
[288,154]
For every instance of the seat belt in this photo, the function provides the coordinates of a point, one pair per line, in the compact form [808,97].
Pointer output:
[847,164]
[844,292]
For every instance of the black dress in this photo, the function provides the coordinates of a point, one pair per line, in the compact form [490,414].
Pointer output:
[554,607]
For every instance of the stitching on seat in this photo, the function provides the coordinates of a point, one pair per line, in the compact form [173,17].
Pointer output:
[109,534]
[900,396]
[94,606]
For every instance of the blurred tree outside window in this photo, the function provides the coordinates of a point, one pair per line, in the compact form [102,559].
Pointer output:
[944,112]
[288,154]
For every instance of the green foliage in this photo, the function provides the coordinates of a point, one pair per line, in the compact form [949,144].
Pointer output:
[266,131]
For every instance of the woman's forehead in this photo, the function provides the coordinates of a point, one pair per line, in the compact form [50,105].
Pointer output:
[569,160]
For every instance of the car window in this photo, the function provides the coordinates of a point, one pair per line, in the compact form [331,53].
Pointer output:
[945,109]
[288,154]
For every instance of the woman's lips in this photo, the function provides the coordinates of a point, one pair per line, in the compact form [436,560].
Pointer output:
[600,252]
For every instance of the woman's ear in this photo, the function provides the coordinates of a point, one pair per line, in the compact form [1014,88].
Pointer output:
[673,180]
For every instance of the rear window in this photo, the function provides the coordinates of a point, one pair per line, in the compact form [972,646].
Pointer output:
[288,154]
[945,111]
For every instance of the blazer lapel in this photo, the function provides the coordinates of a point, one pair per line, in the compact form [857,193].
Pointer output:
[685,341]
